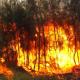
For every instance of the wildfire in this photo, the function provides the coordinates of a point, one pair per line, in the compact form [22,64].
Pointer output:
[52,50]
[5,70]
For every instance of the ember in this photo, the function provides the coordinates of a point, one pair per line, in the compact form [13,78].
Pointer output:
[5,70]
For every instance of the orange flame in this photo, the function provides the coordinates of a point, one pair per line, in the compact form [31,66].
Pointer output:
[5,70]
[51,52]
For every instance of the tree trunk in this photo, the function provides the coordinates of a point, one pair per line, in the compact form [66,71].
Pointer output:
[39,49]
[76,53]
[44,46]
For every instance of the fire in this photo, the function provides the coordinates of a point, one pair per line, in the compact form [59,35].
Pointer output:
[2,60]
[5,70]
[52,51]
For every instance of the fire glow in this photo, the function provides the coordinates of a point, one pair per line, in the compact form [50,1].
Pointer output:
[51,51]
[5,70]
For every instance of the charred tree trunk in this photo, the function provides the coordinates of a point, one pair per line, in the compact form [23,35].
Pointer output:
[35,54]
[55,42]
[76,53]
[28,52]
[75,49]
[39,48]
[44,46]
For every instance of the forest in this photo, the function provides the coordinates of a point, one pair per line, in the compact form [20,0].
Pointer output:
[22,30]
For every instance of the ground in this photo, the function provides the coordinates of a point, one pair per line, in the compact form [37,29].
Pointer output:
[21,74]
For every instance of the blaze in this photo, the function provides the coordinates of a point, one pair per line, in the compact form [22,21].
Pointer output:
[52,51]
[5,70]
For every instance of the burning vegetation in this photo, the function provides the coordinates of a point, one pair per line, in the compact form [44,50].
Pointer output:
[51,51]
[4,70]
[41,37]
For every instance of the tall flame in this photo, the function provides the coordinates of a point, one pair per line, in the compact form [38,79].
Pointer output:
[52,51]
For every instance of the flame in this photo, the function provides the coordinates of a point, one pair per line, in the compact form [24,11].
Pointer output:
[2,60]
[52,51]
[5,70]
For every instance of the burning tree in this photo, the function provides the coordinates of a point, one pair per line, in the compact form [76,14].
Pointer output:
[40,34]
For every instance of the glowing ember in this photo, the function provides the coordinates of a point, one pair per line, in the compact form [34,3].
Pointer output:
[2,60]
[52,50]
[5,70]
